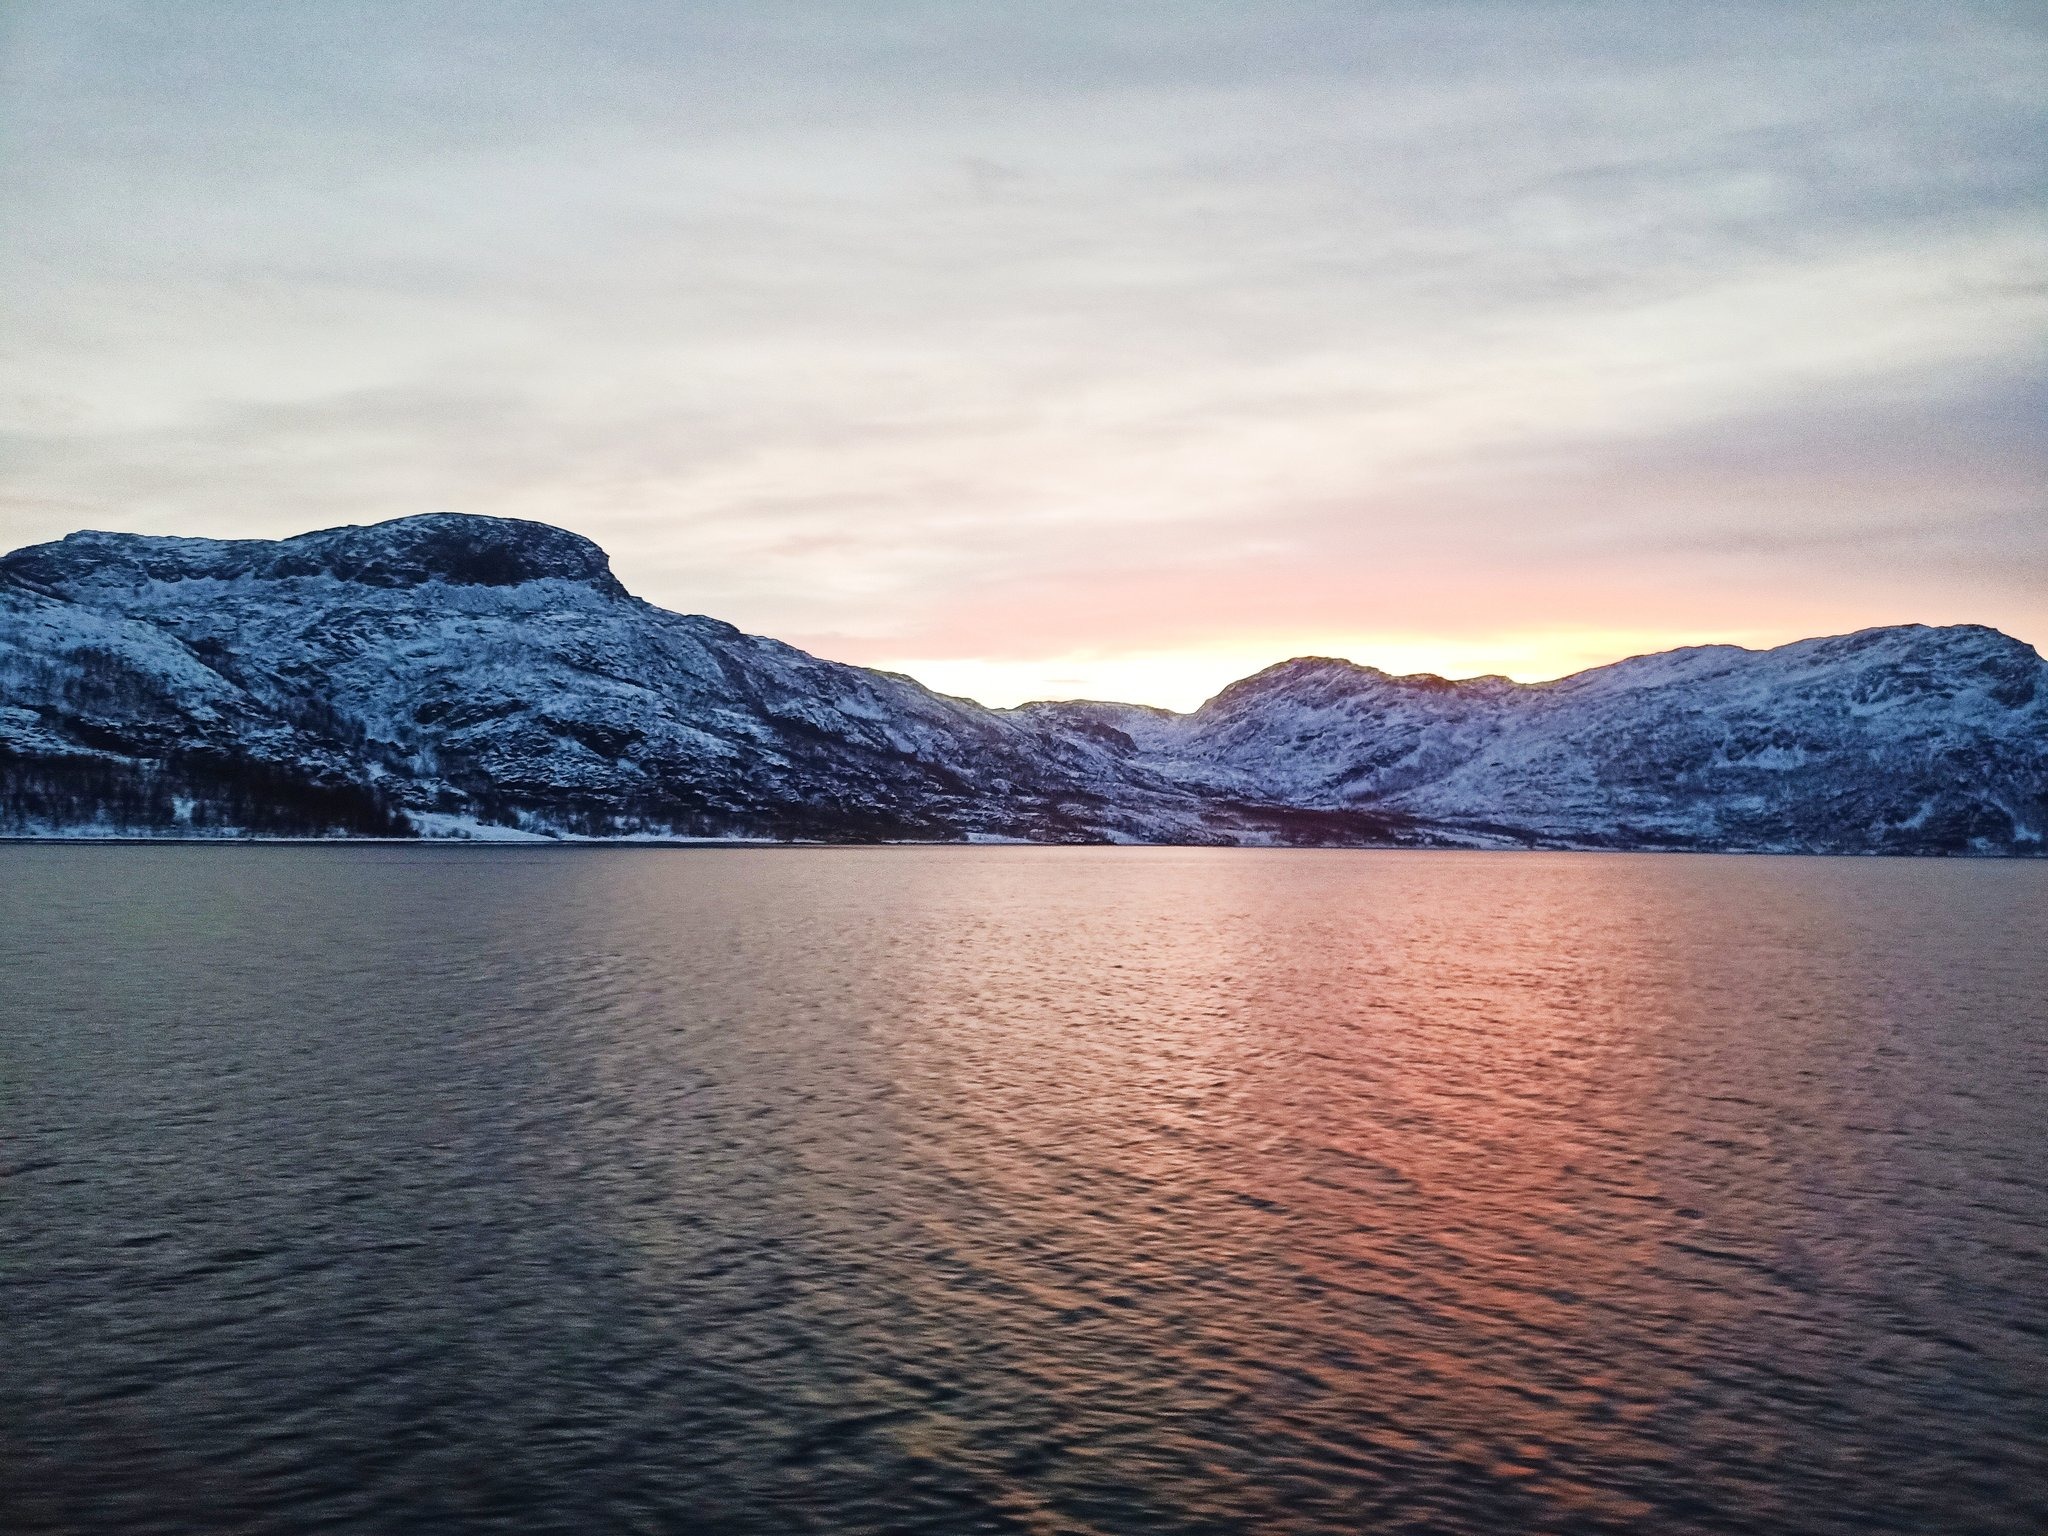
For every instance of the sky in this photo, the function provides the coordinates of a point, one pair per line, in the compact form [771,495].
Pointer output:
[1049,350]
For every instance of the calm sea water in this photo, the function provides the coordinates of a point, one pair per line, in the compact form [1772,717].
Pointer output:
[1032,1190]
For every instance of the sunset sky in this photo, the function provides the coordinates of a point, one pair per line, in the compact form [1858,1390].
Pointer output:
[1049,350]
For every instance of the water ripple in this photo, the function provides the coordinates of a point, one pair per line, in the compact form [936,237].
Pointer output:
[1020,1190]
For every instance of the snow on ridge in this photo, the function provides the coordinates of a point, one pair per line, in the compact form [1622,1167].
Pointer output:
[449,673]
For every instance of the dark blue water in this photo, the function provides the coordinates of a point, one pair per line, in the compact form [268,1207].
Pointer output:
[1019,1190]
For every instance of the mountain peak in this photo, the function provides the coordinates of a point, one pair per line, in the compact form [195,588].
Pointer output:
[456,548]
[1308,678]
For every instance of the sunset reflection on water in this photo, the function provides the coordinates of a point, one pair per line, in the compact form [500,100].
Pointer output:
[1026,1189]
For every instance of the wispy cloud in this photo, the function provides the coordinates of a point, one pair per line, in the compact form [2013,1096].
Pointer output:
[1046,346]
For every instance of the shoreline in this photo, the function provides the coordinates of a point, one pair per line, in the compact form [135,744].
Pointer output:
[815,845]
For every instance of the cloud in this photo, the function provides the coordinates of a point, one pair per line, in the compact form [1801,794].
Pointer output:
[1000,335]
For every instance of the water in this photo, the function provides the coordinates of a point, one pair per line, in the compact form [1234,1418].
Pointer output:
[1032,1190]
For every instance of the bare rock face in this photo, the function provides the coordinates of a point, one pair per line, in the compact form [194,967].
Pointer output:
[479,676]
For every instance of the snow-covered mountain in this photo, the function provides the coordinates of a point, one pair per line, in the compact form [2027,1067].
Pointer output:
[1905,739]
[459,675]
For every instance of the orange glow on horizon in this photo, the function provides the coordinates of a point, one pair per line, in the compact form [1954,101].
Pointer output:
[1181,679]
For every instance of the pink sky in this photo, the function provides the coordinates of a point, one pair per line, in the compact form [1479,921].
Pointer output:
[1043,351]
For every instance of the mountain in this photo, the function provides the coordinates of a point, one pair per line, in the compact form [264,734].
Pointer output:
[1907,739]
[453,675]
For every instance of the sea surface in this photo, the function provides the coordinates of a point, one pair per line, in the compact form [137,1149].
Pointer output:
[387,1189]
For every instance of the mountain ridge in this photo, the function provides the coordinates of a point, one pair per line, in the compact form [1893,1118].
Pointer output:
[456,674]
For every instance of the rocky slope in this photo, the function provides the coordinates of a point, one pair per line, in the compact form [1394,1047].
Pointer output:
[455,675]
[1906,739]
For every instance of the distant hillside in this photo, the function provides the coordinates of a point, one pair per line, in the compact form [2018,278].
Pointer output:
[466,676]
